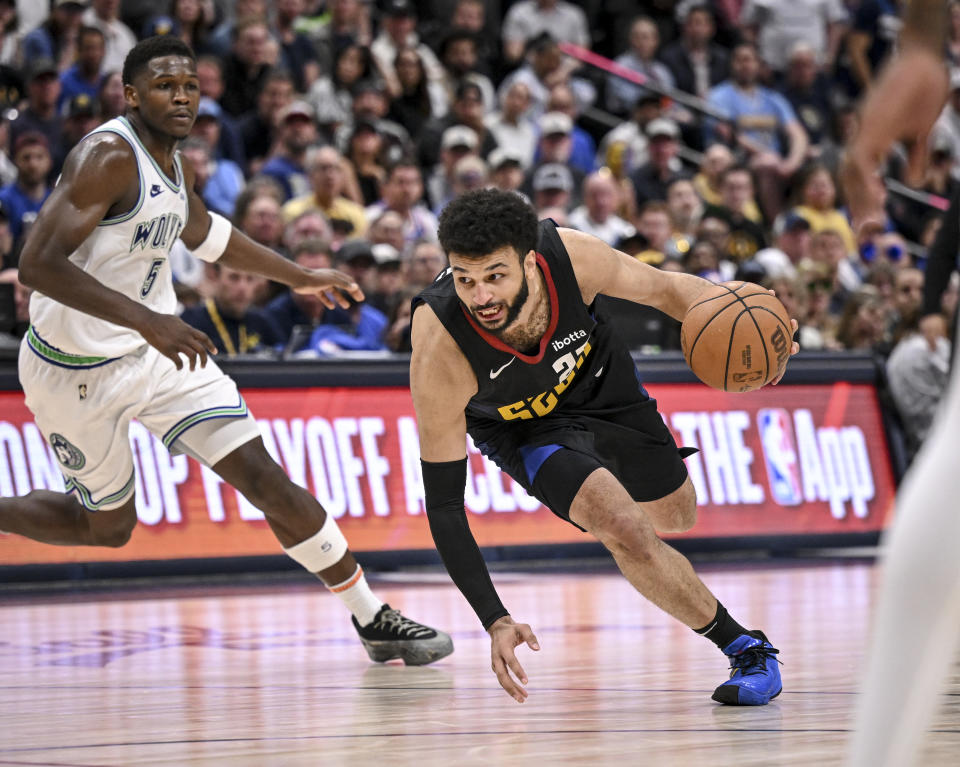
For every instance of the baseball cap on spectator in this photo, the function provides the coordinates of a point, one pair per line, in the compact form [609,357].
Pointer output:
[30,138]
[370,85]
[357,252]
[459,136]
[40,66]
[160,25]
[646,97]
[297,109]
[402,8]
[790,221]
[82,105]
[80,4]
[553,123]
[502,156]
[553,176]
[662,127]
[385,255]
[209,108]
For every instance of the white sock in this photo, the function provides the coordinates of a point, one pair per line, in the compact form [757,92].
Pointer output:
[358,597]
[917,622]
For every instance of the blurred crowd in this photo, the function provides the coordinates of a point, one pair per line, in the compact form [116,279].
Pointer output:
[335,131]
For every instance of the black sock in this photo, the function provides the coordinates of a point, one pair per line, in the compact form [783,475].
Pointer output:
[723,629]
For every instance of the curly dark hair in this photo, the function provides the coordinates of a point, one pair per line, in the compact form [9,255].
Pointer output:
[480,222]
[153,48]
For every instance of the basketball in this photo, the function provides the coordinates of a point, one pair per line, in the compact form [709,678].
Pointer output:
[736,337]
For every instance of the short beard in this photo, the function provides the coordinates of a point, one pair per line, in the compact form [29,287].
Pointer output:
[513,310]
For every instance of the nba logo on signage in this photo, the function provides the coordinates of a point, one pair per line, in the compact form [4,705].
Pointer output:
[780,454]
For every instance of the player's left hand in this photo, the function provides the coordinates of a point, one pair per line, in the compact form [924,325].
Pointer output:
[504,636]
[330,286]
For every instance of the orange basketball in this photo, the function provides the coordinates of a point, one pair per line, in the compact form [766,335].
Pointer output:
[736,337]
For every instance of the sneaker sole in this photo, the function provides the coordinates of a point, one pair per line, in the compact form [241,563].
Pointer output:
[729,695]
[416,652]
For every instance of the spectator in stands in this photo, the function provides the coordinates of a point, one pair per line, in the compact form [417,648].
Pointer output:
[427,260]
[23,199]
[331,95]
[258,128]
[760,117]
[809,92]
[775,26]
[348,23]
[650,181]
[545,67]
[309,225]
[584,150]
[471,15]
[715,228]
[876,24]
[326,171]
[597,215]
[221,39]
[209,126]
[291,310]
[246,69]
[642,59]
[791,244]
[398,335]
[387,228]
[716,160]
[818,204]
[218,182]
[736,192]
[371,103]
[556,144]
[654,224]
[625,148]
[696,62]
[457,142]
[82,116]
[388,281]
[686,208]
[511,127]
[85,75]
[110,96]
[297,53]
[862,325]
[418,99]
[826,247]
[194,23]
[40,114]
[527,19]
[296,133]
[818,325]
[459,56]
[907,301]
[398,29]
[469,174]
[229,318]
[257,213]
[402,192]
[118,37]
[467,109]
[56,38]
[365,151]
[506,170]
[552,185]
[703,260]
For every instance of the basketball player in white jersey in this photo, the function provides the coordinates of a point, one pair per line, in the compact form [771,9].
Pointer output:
[104,346]
[917,622]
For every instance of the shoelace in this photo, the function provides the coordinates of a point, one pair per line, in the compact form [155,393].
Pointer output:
[753,659]
[393,621]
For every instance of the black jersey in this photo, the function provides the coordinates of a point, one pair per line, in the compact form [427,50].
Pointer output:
[580,366]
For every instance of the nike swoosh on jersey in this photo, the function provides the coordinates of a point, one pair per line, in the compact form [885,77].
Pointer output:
[498,371]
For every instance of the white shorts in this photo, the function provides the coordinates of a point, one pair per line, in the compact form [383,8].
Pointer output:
[84,405]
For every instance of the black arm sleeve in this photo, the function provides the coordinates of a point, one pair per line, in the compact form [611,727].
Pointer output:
[942,258]
[443,485]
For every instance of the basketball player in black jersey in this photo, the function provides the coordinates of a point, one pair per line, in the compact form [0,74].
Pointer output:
[510,345]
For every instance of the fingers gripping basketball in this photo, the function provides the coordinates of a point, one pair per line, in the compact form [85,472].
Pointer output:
[736,337]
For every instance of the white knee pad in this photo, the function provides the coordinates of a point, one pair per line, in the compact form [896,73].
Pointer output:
[322,550]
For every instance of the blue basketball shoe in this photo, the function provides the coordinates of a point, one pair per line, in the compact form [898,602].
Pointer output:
[754,672]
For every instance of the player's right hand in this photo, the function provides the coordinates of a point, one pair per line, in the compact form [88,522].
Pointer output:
[173,337]
[504,636]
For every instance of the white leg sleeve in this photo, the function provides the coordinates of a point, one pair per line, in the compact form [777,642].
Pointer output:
[917,622]
[322,550]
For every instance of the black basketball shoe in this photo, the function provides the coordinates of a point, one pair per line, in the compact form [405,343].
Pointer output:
[391,635]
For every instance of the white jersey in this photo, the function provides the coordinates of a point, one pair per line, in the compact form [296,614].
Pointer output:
[128,253]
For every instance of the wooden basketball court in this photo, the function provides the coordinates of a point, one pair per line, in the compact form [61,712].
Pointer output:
[274,675]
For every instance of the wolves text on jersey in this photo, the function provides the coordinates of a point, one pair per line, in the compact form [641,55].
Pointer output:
[540,404]
[159,232]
